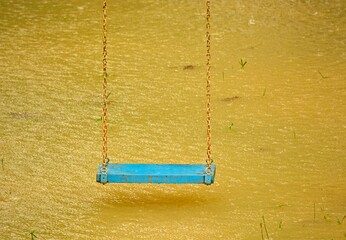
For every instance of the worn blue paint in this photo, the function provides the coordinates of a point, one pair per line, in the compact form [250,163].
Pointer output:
[103,176]
[155,173]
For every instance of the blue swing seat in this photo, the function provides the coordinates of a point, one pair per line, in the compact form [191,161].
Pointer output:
[156,173]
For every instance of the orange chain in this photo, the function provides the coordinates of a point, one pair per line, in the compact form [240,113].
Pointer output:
[104,86]
[209,160]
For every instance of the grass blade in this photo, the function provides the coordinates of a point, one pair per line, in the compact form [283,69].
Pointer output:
[261,226]
[265,227]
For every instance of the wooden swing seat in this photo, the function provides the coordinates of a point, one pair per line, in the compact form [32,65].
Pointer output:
[156,173]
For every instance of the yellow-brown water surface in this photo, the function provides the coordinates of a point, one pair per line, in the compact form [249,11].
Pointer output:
[278,125]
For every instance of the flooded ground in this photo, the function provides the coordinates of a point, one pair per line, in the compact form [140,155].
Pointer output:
[278,125]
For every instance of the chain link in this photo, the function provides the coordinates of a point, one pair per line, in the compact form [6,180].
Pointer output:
[209,160]
[104,86]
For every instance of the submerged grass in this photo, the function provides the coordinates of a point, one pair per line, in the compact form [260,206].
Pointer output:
[242,63]
[261,226]
[327,217]
[33,235]
[340,221]
[265,228]
[98,118]
[322,76]
[230,126]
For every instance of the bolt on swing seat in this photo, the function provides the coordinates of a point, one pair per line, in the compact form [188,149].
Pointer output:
[156,173]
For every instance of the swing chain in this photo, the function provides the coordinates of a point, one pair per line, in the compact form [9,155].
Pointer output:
[104,86]
[209,160]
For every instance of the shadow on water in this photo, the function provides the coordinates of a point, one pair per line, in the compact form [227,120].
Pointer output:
[159,196]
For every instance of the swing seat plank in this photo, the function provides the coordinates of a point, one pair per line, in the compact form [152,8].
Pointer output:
[156,173]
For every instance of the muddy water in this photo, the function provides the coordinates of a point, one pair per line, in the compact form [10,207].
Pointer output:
[278,125]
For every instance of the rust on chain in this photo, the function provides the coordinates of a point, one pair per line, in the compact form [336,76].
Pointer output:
[104,86]
[209,160]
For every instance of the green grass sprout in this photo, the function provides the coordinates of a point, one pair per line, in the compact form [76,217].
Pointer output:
[33,235]
[340,221]
[242,63]
[261,226]
[265,227]
[264,92]
[230,126]
[322,76]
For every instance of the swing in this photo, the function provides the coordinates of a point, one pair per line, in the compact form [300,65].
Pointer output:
[155,173]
